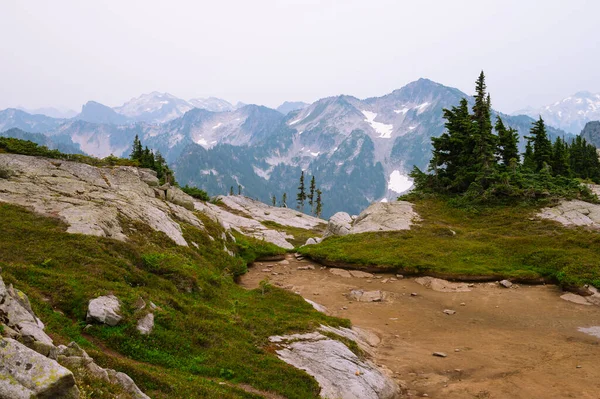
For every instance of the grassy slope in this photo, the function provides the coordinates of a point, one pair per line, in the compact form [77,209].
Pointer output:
[208,330]
[497,241]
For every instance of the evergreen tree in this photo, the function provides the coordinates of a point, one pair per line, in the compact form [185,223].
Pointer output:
[301,197]
[137,151]
[274,201]
[319,204]
[311,195]
[485,141]
[542,146]
[239,189]
[528,161]
[231,191]
[453,159]
[508,140]
[284,200]
[560,158]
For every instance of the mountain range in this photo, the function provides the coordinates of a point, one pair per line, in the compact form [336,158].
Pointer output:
[569,114]
[359,150]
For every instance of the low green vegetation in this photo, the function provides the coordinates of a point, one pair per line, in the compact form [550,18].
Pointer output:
[25,147]
[458,242]
[207,329]
[196,193]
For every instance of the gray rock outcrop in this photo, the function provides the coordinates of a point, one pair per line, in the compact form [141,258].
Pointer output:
[36,369]
[92,200]
[366,296]
[339,372]
[25,374]
[339,225]
[104,310]
[437,284]
[385,216]
[16,314]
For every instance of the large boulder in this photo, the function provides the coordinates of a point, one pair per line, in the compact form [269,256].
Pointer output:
[27,375]
[105,310]
[339,225]
[339,372]
[385,216]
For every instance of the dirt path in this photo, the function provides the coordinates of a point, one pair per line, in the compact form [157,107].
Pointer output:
[502,343]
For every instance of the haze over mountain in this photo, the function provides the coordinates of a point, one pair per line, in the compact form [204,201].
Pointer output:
[569,114]
[58,113]
[289,106]
[359,150]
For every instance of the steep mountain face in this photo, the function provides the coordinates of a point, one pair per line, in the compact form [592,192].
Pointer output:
[591,133]
[571,113]
[14,118]
[95,112]
[289,106]
[154,107]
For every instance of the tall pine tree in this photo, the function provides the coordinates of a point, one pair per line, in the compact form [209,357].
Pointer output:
[319,204]
[311,195]
[560,158]
[508,140]
[301,197]
[542,146]
[485,141]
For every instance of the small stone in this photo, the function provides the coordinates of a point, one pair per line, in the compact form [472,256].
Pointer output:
[470,285]
[378,277]
[458,370]
[399,276]
[463,304]
[267,270]
[578,366]
[344,307]
[413,294]
[506,283]
[456,350]
[307,267]
[439,354]
[393,279]
[384,281]
[449,311]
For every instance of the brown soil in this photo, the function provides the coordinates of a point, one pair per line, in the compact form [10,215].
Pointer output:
[521,342]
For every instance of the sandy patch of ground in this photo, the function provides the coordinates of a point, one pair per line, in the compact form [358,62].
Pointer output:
[521,342]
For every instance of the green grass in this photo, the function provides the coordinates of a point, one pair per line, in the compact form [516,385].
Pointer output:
[494,241]
[208,329]
[300,235]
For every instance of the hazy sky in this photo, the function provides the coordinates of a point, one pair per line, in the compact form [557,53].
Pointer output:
[64,53]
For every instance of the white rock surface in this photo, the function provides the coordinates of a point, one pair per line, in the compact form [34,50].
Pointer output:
[316,306]
[245,225]
[105,310]
[385,216]
[339,225]
[340,272]
[91,200]
[574,213]
[339,372]
[263,212]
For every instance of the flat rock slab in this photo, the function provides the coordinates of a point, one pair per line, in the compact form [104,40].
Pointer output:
[359,274]
[439,285]
[594,331]
[366,296]
[337,370]
[574,213]
[340,272]
[578,299]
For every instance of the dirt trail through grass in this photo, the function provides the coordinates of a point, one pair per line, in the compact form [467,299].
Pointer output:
[501,343]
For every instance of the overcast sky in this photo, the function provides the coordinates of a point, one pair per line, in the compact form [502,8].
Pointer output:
[64,53]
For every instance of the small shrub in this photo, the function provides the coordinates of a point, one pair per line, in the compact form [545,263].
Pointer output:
[5,173]
[196,193]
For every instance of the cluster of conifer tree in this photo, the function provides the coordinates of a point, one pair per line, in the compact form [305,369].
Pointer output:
[313,197]
[146,158]
[481,159]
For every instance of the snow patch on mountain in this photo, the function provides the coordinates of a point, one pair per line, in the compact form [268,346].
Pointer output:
[399,183]
[385,131]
